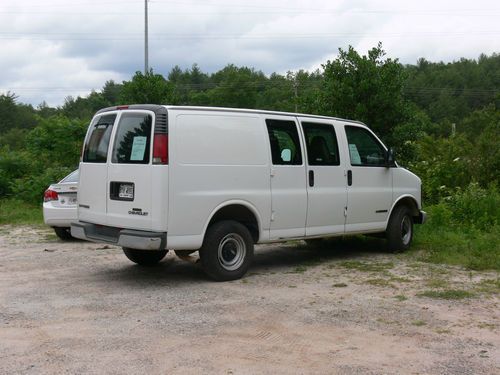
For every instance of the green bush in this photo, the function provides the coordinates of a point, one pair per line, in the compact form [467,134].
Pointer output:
[463,229]
[476,207]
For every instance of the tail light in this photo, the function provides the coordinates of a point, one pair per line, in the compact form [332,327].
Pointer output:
[160,149]
[50,195]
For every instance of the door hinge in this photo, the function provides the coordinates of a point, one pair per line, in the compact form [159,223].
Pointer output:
[345,211]
[272,215]
[273,172]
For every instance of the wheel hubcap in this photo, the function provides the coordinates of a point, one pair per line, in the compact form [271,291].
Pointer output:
[231,252]
[406,230]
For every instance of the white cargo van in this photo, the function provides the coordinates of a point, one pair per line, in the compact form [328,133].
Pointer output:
[219,180]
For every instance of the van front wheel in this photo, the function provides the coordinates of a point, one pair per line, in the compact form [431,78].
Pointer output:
[144,257]
[227,251]
[400,229]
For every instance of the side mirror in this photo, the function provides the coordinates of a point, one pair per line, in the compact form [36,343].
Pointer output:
[389,158]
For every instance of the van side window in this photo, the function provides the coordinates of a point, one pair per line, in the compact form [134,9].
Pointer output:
[284,140]
[132,140]
[321,143]
[96,145]
[364,148]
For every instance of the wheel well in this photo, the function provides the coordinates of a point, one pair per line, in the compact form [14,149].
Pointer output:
[410,203]
[241,214]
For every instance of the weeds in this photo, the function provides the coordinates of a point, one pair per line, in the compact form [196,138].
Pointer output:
[449,294]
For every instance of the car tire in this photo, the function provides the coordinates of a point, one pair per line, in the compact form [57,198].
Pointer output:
[63,233]
[399,231]
[227,251]
[145,257]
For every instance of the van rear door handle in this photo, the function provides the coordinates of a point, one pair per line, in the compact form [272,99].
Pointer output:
[349,177]
[311,178]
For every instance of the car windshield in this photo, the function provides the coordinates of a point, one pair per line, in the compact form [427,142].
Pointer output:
[72,177]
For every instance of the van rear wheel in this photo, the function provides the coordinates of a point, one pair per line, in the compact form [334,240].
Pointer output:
[144,257]
[400,229]
[227,251]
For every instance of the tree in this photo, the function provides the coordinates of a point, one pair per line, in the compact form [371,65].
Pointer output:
[146,88]
[366,88]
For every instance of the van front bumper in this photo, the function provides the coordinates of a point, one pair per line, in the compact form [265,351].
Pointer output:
[131,238]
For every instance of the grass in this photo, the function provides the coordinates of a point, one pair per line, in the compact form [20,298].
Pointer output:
[448,294]
[418,323]
[367,266]
[401,297]
[16,212]
[380,282]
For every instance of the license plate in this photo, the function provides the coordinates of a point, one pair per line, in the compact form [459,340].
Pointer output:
[126,191]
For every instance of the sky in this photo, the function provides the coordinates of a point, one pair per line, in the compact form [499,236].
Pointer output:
[53,49]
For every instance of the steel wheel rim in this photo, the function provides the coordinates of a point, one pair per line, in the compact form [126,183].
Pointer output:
[406,230]
[231,252]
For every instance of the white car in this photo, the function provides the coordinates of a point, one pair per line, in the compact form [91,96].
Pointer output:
[59,205]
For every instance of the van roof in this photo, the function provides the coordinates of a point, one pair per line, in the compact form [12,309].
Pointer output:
[224,109]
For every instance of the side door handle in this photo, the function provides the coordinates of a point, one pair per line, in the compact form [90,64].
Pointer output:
[349,177]
[311,178]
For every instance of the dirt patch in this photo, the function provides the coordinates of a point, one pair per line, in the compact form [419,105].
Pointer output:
[79,307]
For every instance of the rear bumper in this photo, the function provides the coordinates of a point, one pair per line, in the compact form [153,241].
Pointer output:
[421,218]
[58,216]
[134,239]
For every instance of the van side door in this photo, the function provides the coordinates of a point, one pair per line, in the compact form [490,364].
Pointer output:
[369,181]
[326,182]
[288,178]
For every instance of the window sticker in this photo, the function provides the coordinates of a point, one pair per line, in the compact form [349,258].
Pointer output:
[354,154]
[138,148]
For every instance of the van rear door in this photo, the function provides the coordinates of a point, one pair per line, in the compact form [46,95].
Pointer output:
[92,189]
[124,170]
[129,199]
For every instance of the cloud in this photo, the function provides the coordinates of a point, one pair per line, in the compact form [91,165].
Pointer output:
[58,48]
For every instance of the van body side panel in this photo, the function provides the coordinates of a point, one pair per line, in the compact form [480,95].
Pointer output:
[215,158]
[406,183]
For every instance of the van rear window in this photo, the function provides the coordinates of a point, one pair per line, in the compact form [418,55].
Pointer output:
[96,145]
[133,138]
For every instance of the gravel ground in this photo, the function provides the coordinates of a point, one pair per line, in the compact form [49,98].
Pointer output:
[80,307]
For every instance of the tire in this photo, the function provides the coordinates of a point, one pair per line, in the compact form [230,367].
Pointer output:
[145,257]
[399,232]
[227,251]
[63,233]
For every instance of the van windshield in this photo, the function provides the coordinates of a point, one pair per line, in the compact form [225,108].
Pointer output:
[132,139]
[96,145]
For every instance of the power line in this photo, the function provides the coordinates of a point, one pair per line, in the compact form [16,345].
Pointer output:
[169,36]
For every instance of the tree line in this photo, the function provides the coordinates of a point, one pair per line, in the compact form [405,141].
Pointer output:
[443,119]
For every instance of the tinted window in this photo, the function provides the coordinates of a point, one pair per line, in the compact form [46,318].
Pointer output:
[96,145]
[132,140]
[322,147]
[364,148]
[285,145]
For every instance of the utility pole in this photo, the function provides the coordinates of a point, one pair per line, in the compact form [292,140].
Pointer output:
[146,64]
